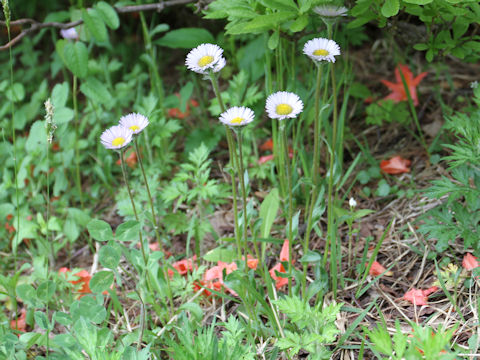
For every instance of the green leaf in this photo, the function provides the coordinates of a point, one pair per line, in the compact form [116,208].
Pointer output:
[100,230]
[273,40]
[109,257]
[300,23]
[219,254]
[46,290]
[311,256]
[390,8]
[268,212]
[27,294]
[287,5]
[418,2]
[186,38]
[95,90]
[60,95]
[37,137]
[108,14]
[268,21]
[95,24]
[41,319]
[75,57]
[16,92]
[128,231]
[101,281]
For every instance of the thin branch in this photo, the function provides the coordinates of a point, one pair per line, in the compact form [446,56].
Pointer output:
[36,26]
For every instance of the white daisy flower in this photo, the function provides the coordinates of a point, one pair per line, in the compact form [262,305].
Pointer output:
[69,34]
[320,49]
[331,11]
[205,57]
[237,116]
[135,122]
[283,104]
[116,137]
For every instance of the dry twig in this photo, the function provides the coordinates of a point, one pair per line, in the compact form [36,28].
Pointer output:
[36,25]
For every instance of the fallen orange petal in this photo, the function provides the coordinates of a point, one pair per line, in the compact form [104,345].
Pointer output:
[398,92]
[267,145]
[279,281]
[284,253]
[264,159]
[470,262]
[416,297]
[20,323]
[378,269]
[396,165]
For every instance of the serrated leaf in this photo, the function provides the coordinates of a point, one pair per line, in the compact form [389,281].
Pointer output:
[390,8]
[101,281]
[95,24]
[287,5]
[418,2]
[186,38]
[100,230]
[300,23]
[108,14]
[268,21]
[75,56]
[95,90]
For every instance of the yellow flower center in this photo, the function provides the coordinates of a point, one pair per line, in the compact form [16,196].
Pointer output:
[134,128]
[321,52]
[283,109]
[205,60]
[237,120]
[118,141]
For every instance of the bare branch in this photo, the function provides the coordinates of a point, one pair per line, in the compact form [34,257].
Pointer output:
[36,26]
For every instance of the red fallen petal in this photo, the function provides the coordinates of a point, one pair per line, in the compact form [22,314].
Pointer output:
[398,89]
[378,269]
[9,217]
[284,253]
[267,145]
[184,266]
[265,159]
[368,100]
[252,263]
[279,281]
[430,290]
[419,78]
[194,103]
[85,280]
[20,323]
[416,297]
[470,262]
[63,270]
[396,165]
[55,146]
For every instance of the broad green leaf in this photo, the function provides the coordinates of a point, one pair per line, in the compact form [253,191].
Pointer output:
[46,290]
[128,231]
[300,23]
[75,56]
[186,38]
[16,92]
[219,254]
[390,8]
[311,256]
[37,137]
[109,257]
[100,230]
[101,281]
[95,24]
[95,90]
[268,212]
[60,95]
[41,319]
[287,5]
[273,40]
[418,2]
[108,14]
[27,294]
[269,21]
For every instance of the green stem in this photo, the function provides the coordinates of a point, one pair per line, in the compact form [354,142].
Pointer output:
[150,199]
[47,242]
[124,172]
[314,173]
[232,155]
[331,234]
[77,136]
[290,204]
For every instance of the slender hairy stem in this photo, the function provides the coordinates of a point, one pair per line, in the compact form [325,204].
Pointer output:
[77,135]
[52,250]
[150,199]
[290,203]
[331,233]
[232,154]
[124,172]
